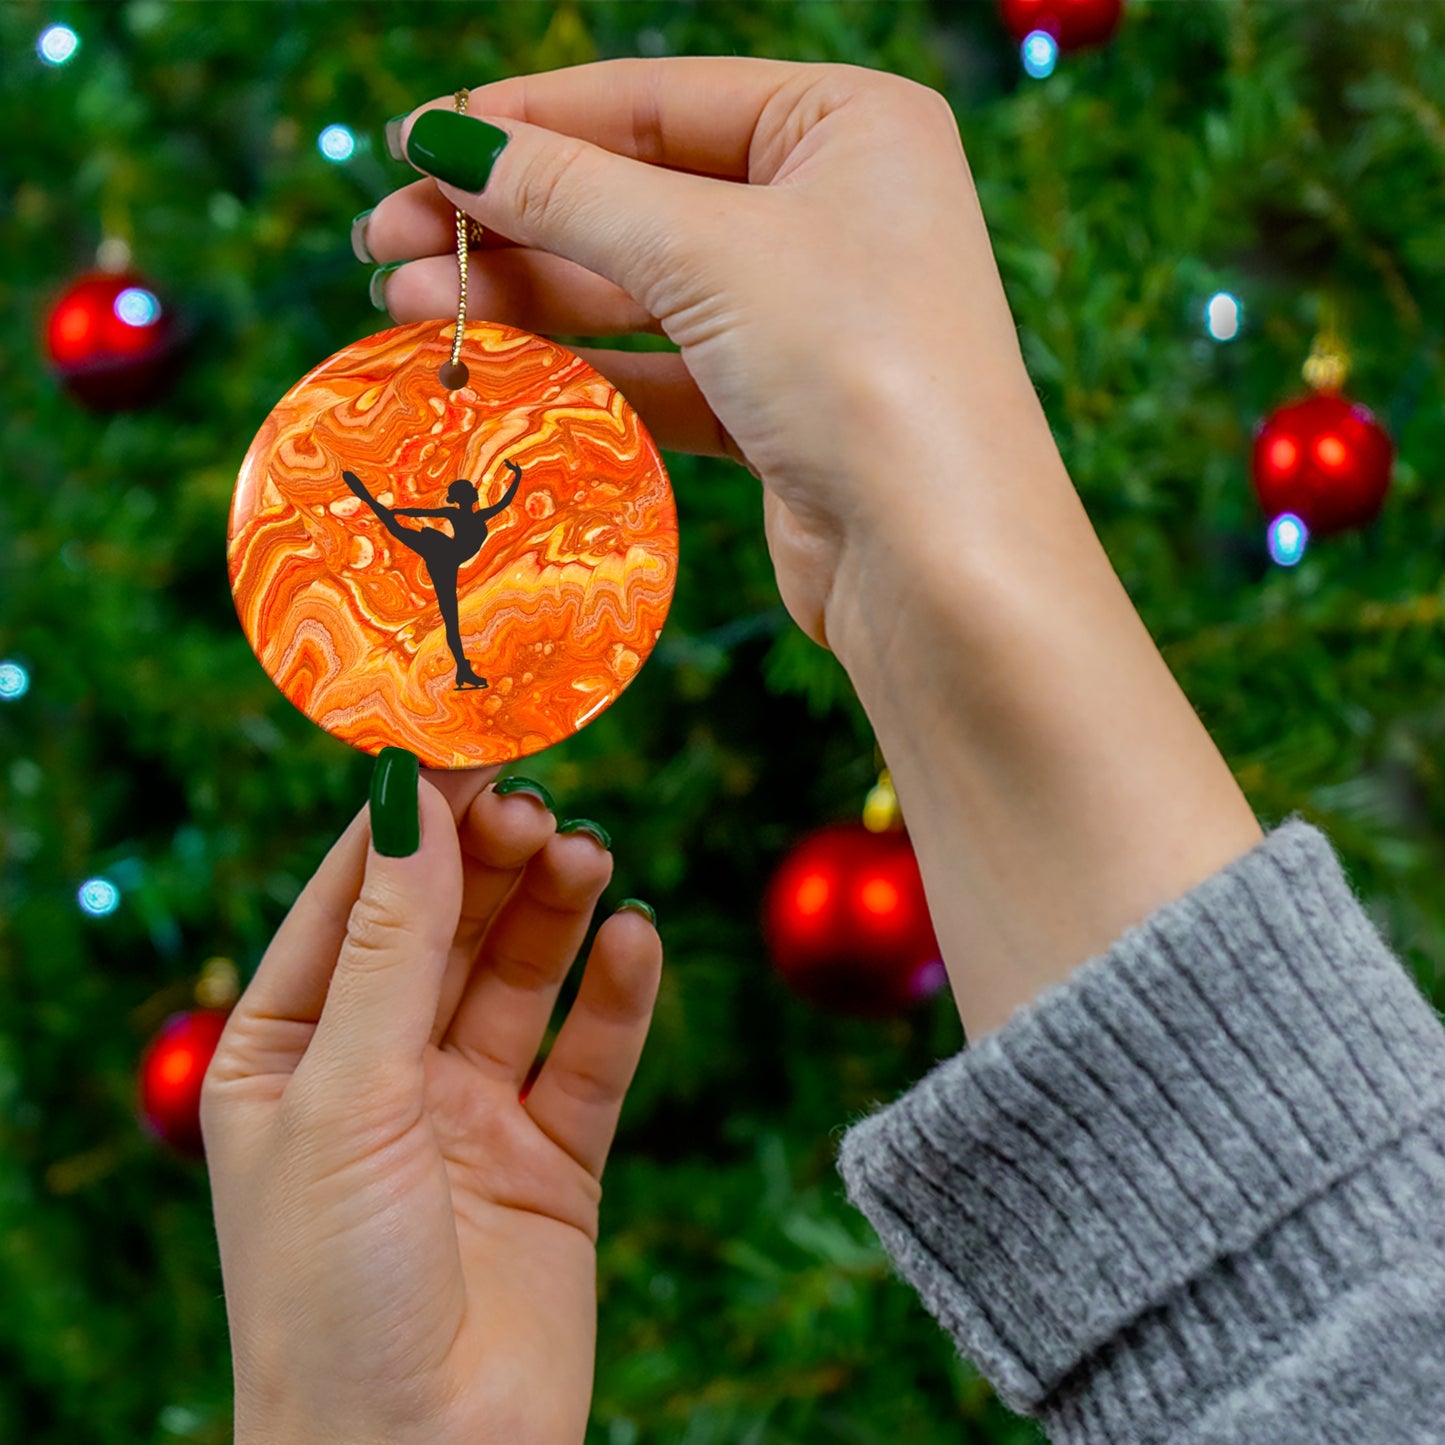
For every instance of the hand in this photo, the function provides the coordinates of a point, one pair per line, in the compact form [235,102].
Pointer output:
[831,313]
[810,237]
[407,1245]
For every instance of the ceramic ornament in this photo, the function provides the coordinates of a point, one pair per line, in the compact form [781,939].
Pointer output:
[472,574]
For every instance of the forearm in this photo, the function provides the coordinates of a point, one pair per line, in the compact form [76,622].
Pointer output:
[1056,782]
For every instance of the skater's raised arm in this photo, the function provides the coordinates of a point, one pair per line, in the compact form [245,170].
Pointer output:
[507,495]
[423,511]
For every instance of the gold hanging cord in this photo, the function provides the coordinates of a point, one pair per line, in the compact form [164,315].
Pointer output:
[453,374]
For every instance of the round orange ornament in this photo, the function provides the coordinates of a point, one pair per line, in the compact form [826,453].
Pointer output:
[472,575]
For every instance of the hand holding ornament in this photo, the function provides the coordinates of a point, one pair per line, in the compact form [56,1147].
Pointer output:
[810,238]
[808,235]
[407,1208]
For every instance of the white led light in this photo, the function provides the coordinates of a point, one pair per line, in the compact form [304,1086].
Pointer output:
[14,681]
[1223,316]
[98,897]
[1040,53]
[57,44]
[336,143]
[137,306]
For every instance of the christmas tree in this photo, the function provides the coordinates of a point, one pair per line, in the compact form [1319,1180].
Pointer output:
[1179,215]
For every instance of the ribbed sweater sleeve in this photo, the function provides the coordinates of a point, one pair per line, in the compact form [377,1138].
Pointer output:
[1195,1193]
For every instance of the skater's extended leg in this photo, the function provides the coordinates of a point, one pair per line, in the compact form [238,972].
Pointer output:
[404,535]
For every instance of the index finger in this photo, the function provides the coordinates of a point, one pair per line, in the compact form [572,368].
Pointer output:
[687,113]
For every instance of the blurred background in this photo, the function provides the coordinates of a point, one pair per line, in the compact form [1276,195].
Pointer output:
[1187,207]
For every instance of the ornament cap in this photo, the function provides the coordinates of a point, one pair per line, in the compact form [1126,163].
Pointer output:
[881,812]
[113,255]
[1327,367]
[219,985]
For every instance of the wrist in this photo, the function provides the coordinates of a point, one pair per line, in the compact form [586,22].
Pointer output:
[1057,784]
[947,462]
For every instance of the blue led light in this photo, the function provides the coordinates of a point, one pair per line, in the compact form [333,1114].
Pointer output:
[137,306]
[57,44]
[14,681]
[1040,53]
[98,897]
[1287,538]
[1223,316]
[336,143]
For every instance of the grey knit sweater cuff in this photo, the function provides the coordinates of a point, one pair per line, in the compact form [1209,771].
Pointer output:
[1151,1175]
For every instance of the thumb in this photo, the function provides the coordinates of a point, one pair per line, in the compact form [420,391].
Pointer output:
[382,999]
[633,223]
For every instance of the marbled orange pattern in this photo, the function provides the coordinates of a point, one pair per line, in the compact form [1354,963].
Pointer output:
[558,610]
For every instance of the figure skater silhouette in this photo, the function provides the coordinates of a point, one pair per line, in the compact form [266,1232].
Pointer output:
[443,555]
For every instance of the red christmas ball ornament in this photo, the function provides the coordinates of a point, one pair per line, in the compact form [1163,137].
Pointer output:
[1073,23]
[1324,458]
[847,923]
[111,341]
[171,1072]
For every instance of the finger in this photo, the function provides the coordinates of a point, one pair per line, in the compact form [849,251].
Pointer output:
[690,113]
[578,1095]
[460,786]
[273,1020]
[504,1010]
[416,220]
[668,400]
[528,289]
[620,218]
[382,997]
[500,834]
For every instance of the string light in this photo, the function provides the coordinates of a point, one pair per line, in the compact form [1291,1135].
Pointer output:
[98,897]
[57,44]
[336,143]
[930,977]
[137,307]
[1287,538]
[14,681]
[1040,54]
[1223,316]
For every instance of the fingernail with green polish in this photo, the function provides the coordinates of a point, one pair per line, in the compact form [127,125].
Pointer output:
[529,786]
[636,905]
[455,148]
[359,247]
[393,137]
[586,825]
[395,811]
[377,289]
